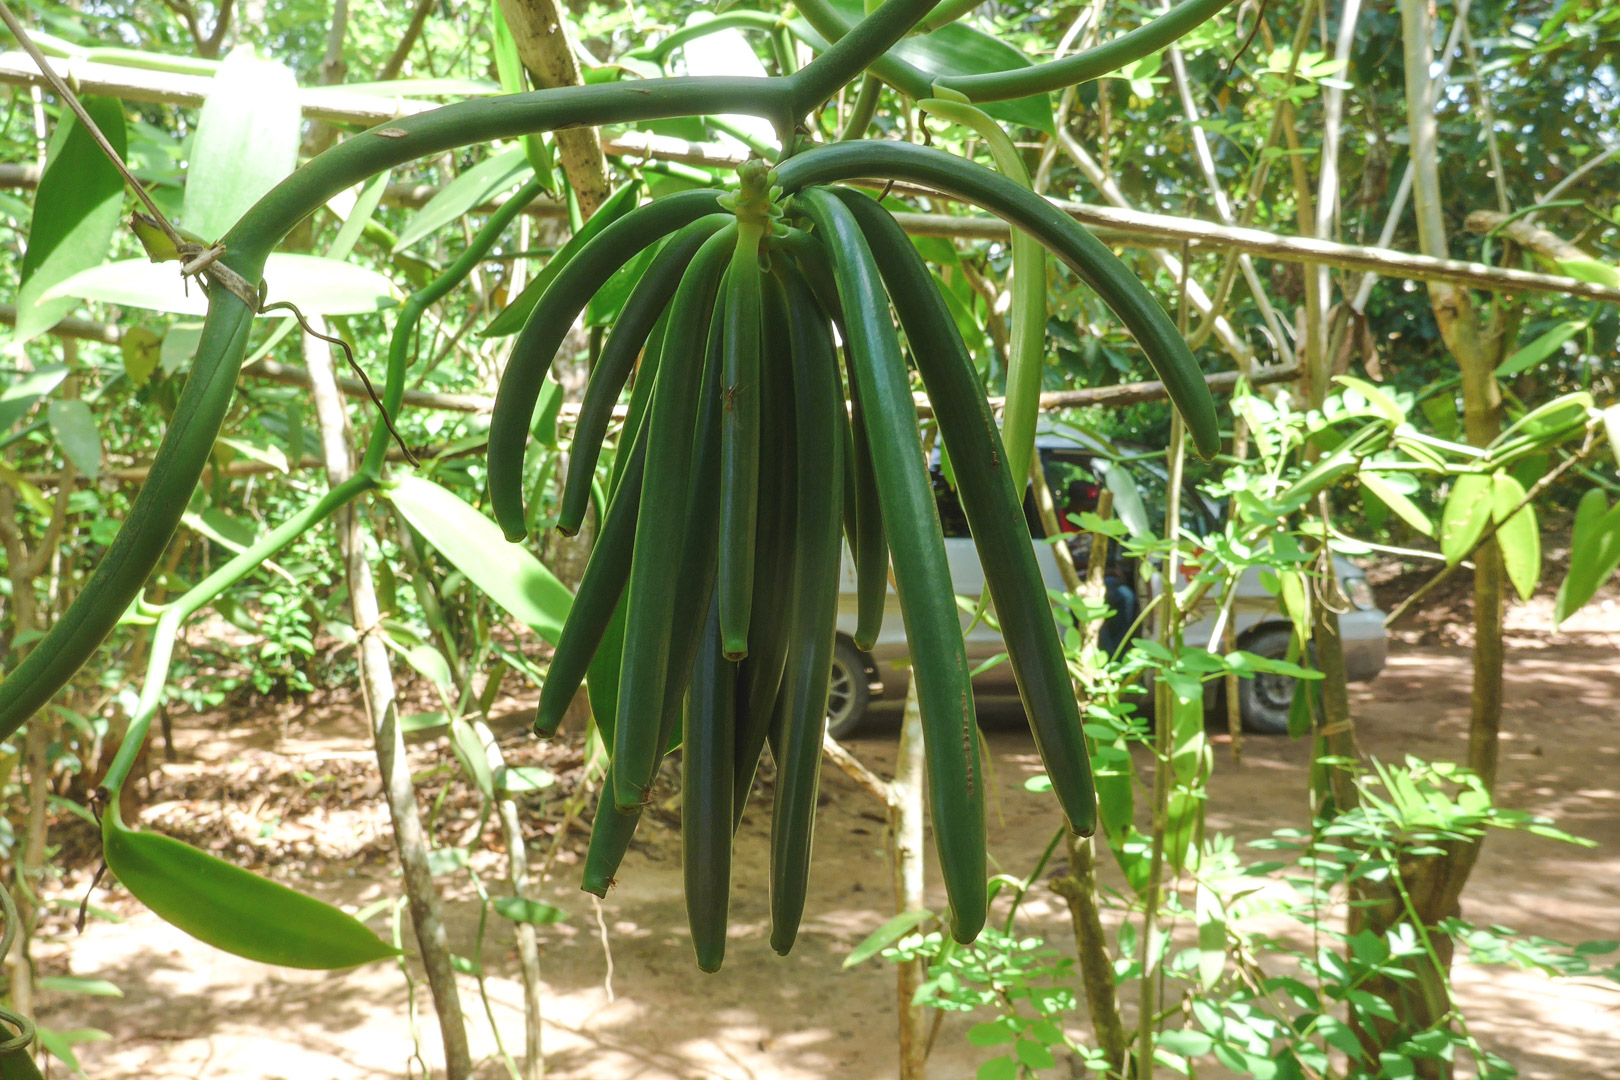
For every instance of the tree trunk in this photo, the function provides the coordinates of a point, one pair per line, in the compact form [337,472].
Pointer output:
[1435,882]
[1079,889]
[906,825]
[540,29]
[378,682]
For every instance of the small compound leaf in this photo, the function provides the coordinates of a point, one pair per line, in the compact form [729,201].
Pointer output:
[19,397]
[142,349]
[1186,1043]
[1034,1055]
[1001,1068]
[74,427]
[231,909]
[887,934]
[997,1032]
[28,493]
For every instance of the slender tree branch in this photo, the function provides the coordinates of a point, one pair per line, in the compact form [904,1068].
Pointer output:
[402,51]
[856,771]
[1522,232]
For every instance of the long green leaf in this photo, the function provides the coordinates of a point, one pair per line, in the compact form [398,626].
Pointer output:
[1467,512]
[318,286]
[506,573]
[75,215]
[472,188]
[514,80]
[231,909]
[246,141]
[1518,536]
[74,427]
[522,909]
[1594,553]
[1398,502]
[354,223]
[1539,349]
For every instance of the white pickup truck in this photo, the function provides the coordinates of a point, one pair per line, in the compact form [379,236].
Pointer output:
[1076,463]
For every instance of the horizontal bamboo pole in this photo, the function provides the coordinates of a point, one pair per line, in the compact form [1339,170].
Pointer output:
[1137,229]
[1124,227]
[333,105]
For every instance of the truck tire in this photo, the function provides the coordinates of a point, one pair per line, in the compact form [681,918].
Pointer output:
[1265,700]
[848,694]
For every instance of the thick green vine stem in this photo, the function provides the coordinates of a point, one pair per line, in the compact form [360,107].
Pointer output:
[189,441]
[659,51]
[1025,81]
[1091,64]
[1083,253]
[174,614]
[410,313]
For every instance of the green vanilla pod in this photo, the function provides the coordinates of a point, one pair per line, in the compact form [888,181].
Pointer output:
[992,504]
[708,753]
[656,564]
[770,631]
[817,399]
[1083,253]
[739,424]
[595,598]
[871,547]
[921,570]
[630,334]
[542,335]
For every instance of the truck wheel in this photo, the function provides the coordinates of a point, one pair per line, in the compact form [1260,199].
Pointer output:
[849,693]
[1265,700]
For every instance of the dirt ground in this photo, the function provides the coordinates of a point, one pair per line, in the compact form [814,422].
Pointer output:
[300,806]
